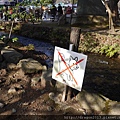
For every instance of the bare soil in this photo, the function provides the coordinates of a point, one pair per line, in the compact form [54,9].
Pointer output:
[28,100]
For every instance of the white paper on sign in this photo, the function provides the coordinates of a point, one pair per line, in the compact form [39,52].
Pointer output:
[69,67]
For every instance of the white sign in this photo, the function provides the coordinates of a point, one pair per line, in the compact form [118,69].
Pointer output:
[69,67]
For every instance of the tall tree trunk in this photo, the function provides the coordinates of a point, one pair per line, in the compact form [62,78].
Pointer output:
[11,29]
[111,25]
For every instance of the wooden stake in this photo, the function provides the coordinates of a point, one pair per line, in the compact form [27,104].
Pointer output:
[64,93]
[71,46]
[74,44]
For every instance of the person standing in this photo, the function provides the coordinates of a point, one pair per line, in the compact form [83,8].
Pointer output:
[60,11]
[53,12]
[10,13]
[1,14]
[68,14]
[68,10]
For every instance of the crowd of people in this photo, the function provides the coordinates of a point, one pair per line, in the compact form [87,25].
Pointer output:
[6,13]
[53,13]
[59,11]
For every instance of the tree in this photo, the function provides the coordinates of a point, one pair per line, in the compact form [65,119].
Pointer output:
[46,2]
[96,8]
[73,1]
[111,26]
[112,10]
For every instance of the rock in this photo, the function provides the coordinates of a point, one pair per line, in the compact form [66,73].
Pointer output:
[11,66]
[57,98]
[18,86]
[47,74]
[11,55]
[16,76]
[26,103]
[35,80]
[1,105]
[69,110]
[50,108]
[91,101]
[3,72]
[12,90]
[30,65]
[112,108]
[51,95]
[11,77]
[19,74]
[13,110]
[46,77]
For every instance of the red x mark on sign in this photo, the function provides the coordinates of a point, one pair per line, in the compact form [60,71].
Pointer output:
[68,67]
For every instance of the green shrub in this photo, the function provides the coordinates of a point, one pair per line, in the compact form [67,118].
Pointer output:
[99,43]
[110,50]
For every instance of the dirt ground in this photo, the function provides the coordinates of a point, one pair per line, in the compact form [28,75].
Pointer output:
[25,98]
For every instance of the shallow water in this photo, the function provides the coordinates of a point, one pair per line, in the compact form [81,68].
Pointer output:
[41,46]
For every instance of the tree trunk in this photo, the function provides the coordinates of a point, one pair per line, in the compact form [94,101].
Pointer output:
[111,25]
[75,37]
[11,29]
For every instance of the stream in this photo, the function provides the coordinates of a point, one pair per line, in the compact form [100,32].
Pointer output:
[41,46]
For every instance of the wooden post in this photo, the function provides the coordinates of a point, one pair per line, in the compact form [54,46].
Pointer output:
[74,44]
[65,94]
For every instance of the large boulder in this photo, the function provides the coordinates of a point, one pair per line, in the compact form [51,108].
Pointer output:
[11,55]
[92,101]
[30,65]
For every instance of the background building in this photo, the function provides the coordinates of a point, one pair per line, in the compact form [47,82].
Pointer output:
[7,2]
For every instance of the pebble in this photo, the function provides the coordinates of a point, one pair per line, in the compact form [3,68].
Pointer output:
[12,90]
[13,110]
[35,80]
[49,108]
[1,105]
[26,103]
[19,86]
[51,95]
[42,91]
